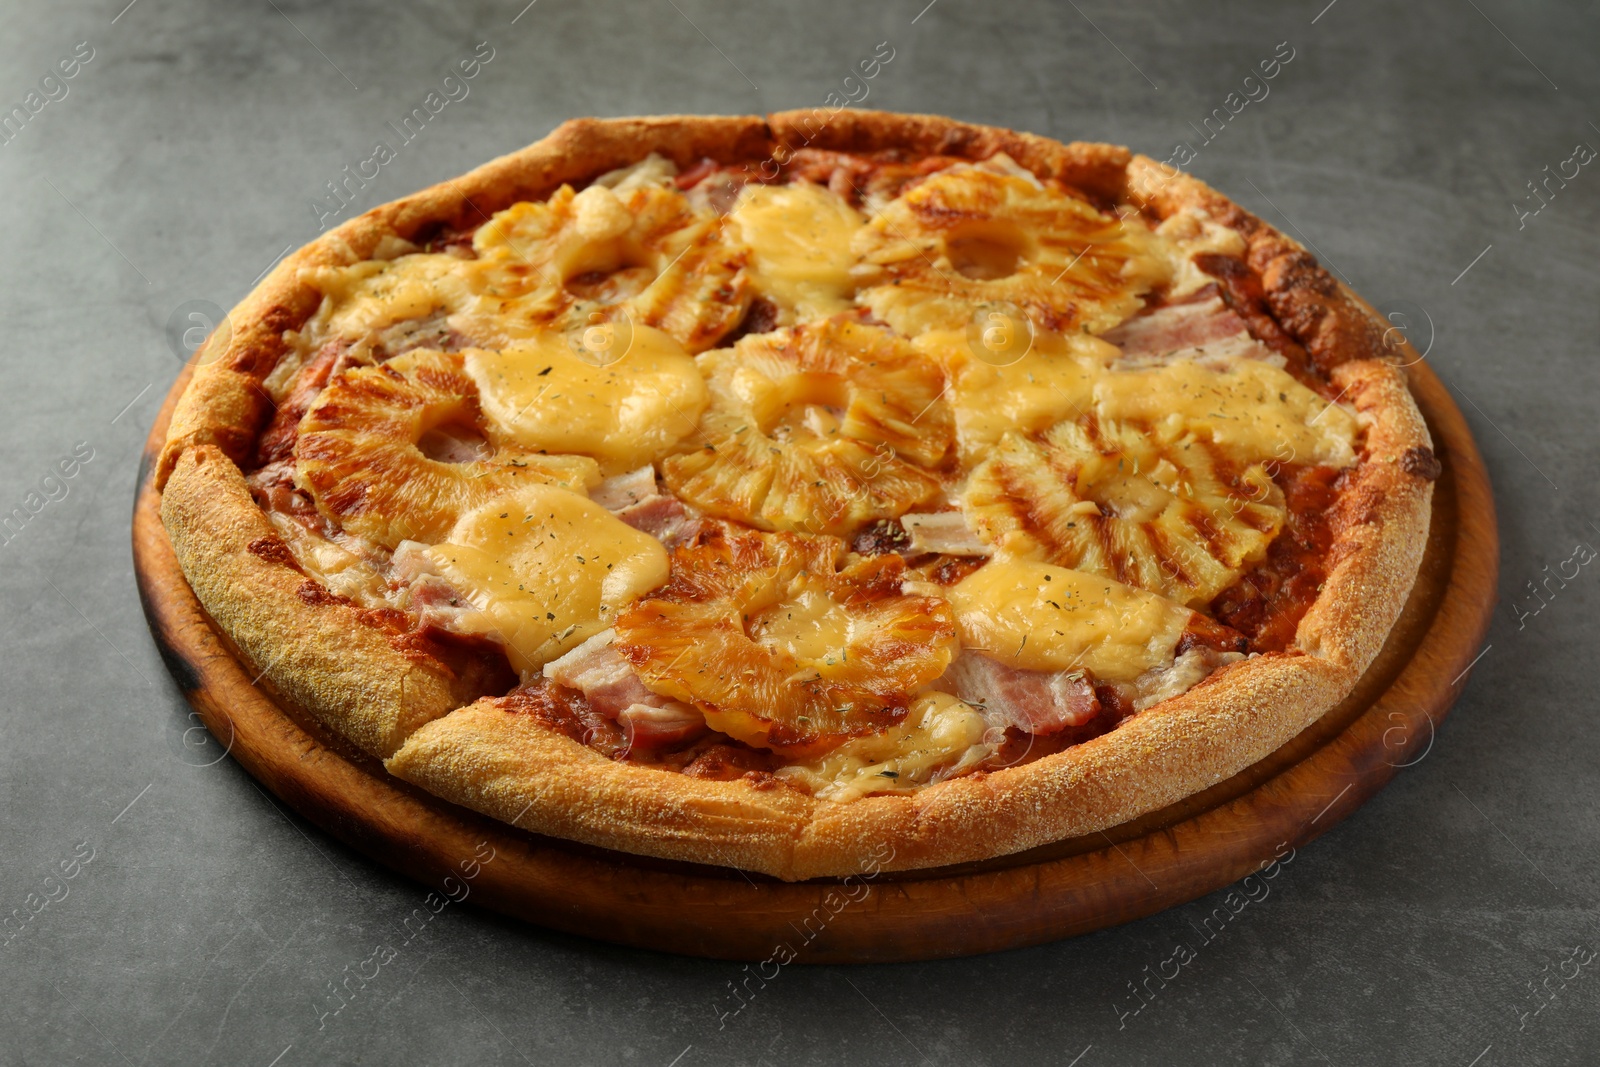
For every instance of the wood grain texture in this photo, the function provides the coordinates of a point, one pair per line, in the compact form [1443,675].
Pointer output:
[1163,859]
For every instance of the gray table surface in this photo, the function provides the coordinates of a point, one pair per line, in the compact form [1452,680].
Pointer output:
[1447,922]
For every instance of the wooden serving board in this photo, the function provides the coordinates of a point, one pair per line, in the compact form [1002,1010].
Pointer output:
[1166,858]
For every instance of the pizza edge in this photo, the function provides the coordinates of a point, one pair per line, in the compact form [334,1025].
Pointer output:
[325,658]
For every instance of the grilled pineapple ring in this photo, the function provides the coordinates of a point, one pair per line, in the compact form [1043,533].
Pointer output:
[358,455]
[820,429]
[580,257]
[979,236]
[781,647]
[1151,507]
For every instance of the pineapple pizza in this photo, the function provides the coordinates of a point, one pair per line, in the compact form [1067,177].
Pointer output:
[756,492]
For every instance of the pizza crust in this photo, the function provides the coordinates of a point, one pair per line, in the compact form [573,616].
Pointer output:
[321,655]
[324,658]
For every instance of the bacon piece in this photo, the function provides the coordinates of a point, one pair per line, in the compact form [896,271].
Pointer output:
[434,331]
[1204,331]
[277,440]
[647,726]
[273,486]
[622,490]
[436,602]
[1036,702]
[636,500]
[666,518]
[694,174]
[943,532]
[612,687]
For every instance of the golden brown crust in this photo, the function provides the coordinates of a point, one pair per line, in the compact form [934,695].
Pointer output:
[319,653]
[1382,522]
[1096,168]
[509,766]
[513,768]
[1332,324]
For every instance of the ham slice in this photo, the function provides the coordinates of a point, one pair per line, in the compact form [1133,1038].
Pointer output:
[1035,702]
[625,490]
[612,687]
[437,603]
[636,500]
[1204,331]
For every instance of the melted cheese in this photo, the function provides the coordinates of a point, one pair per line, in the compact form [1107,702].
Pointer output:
[1189,233]
[809,625]
[371,296]
[546,569]
[939,732]
[799,239]
[1053,380]
[544,395]
[1252,410]
[1045,618]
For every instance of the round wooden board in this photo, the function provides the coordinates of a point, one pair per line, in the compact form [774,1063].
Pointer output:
[1072,887]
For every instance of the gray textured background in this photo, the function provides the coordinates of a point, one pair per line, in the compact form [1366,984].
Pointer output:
[208,922]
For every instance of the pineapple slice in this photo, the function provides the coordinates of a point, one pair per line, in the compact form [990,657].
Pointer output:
[820,429]
[546,569]
[1158,509]
[547,395]
[637,254]
[358,453]
[580,258]
[980,236]
[782,647]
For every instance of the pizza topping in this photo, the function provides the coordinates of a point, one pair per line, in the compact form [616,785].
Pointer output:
[546,569]
[1187,670]
[1157,508]
[358,452]
[880,537]
[623,396]
[636,499]
[1267,603]
[1130,436]
[612,687]
[977,235]
[799,239]
[560,262]
[1201,331]
[1251,410]
[943,532]
[822,428]
[1041,617]
[639,253]
[723,761]
[622,491]
[1031,384]
[939,737]
[1033,701]
[278,439]
[783,643]
[1187,236]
